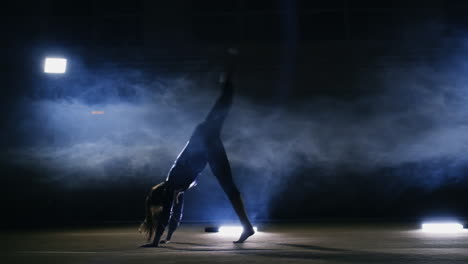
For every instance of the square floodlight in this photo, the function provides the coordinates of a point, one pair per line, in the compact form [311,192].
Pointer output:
[55,65]
[444,227]
[227,230]
[233,230]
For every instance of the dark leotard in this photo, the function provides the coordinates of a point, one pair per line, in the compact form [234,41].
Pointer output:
[190,162]
[204,147]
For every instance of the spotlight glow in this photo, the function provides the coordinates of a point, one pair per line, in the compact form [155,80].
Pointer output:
[232,230]
[55,65]
[447,227]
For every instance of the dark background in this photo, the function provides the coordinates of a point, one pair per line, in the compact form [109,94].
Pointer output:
[344,109]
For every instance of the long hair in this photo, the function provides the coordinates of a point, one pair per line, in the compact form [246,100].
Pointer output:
[152,211]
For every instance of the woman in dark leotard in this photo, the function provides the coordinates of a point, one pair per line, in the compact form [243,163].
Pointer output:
[164,204]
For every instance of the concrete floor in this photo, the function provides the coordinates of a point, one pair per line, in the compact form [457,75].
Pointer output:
[281,243]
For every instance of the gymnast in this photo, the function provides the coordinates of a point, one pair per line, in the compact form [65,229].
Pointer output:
[165,202]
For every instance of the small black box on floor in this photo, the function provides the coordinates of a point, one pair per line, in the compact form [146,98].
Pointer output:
[211,229]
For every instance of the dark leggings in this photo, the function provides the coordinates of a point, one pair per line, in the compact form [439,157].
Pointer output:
[208,134]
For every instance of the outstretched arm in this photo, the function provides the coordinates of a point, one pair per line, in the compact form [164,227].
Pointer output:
[164,216]
[176,217]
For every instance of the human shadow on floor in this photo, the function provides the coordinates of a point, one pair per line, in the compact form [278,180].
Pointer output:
[350,256]
[210,248]
[189,244]
[312,247]
[312,252]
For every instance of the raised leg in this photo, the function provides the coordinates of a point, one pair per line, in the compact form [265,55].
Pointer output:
[215,118]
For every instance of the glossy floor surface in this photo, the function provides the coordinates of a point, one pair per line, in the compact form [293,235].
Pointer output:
[280,243]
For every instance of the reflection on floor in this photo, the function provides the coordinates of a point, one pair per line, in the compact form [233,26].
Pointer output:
[282,243]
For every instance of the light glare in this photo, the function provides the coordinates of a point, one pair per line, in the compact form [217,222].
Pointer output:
[233,230]
[451,227]
[55,65]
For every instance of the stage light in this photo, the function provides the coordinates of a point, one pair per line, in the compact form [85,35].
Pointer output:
[232,230]
[55,65]
[442,227]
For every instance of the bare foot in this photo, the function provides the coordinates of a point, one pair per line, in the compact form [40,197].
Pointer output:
[165,241]
[246,234]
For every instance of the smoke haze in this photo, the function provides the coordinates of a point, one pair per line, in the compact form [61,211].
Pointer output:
[413,122]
